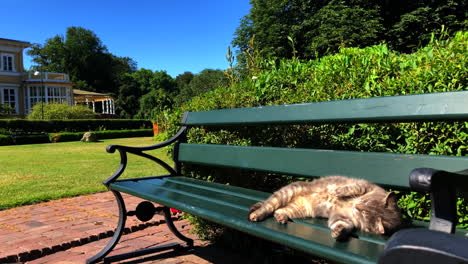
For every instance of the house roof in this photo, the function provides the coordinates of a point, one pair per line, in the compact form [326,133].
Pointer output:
[82,95]
[83,92]
[23,44]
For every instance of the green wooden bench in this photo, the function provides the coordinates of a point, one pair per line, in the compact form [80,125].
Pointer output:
[441,176]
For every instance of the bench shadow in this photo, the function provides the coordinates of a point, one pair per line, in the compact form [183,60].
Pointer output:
[217,254]
[210,253]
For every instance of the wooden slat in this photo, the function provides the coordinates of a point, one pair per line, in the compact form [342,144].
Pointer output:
[381,168]
[422,107]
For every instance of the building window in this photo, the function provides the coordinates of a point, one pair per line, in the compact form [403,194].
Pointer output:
[57,95]
[47,94]
[35,95]
[9,97]
[8,62]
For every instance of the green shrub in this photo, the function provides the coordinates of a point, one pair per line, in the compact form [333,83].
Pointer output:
[352,73]
[60,111]
[65,136]
[30,139]
[5,110]
[124,133]
[5,140]
[72,125]
[76,136]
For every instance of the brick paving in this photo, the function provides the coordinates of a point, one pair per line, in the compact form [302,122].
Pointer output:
[71,230]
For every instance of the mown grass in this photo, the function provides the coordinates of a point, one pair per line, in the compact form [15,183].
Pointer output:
[40,172]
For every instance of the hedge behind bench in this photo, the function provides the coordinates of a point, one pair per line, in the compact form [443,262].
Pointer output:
[72,125]
[352,73]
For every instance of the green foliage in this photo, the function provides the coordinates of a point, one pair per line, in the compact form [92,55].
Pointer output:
[351,73]
[70,136]
[205,81]
[320,27]
[21,139]
[128,100]
[419,19]
[153,103]
[5,110]
[60,111]
[160,137]
[30,139]
[144,94]
[82,55]
[28,126]
[5,140]
[105,134]
[337,25]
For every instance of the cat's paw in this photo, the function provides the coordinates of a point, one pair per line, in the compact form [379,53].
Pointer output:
[255,207]
[255,216]
[254,213]
[281,217]
[340,230]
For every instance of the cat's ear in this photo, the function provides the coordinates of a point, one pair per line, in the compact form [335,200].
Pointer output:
[391,200]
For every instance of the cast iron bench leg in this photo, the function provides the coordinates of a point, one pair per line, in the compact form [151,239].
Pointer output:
[120,228]
[170,224]
[118,231]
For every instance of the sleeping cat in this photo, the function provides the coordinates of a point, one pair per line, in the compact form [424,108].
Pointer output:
[348,204]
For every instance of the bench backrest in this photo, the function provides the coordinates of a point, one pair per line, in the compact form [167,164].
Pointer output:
[382,168]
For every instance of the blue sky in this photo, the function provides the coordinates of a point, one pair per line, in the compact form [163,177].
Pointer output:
[174,36]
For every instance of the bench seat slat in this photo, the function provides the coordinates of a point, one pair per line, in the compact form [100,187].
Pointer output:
[228,189]
[382,168]
[221,206]
[420,107]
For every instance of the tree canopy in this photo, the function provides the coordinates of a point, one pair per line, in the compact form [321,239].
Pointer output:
[82,55]
[321,27]
[193,85]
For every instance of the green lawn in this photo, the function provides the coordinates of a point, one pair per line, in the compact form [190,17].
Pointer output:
[35,173]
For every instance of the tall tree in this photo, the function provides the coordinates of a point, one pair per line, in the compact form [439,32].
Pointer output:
[319,27]
[84,57]
[127,103]
[205,81]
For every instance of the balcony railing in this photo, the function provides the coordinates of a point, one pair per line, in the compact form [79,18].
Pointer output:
[47,76]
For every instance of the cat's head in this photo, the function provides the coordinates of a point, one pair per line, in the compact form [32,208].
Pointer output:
[382,214]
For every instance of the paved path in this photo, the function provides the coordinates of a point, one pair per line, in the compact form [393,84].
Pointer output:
[71,230]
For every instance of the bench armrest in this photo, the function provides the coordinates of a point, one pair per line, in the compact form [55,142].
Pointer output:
[413,246]
[442,186]
[135,150]
[139,151]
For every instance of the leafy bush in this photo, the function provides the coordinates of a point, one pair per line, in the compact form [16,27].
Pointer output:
[60,111]
[65,136]
[6,110]
[72,125]
[124,133]
[30,139]
[5,140]
[76,136]
[352,73]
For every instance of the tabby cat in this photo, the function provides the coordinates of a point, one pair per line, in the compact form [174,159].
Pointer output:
[348,204]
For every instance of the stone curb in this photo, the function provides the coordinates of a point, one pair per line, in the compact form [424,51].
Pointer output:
[39,253]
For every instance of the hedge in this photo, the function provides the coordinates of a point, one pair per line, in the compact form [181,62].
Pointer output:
[5,140]
[75,136]
[71,136]
[23,139]
[77,125]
